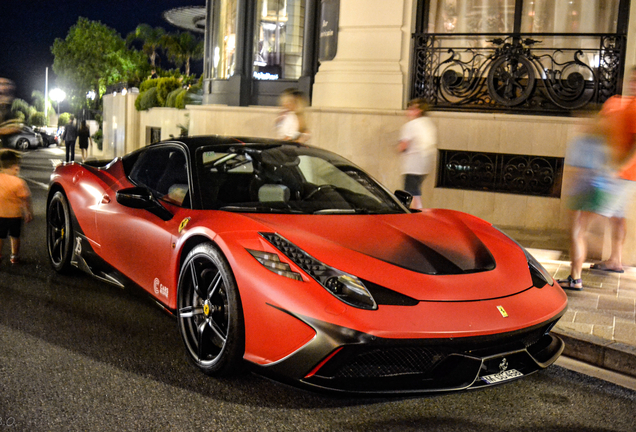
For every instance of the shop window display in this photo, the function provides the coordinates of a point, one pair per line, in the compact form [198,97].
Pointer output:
[278,43]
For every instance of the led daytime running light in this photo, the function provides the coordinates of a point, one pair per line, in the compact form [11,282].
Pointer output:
[273,263]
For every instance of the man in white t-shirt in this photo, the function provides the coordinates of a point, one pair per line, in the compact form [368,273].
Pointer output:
[418,145]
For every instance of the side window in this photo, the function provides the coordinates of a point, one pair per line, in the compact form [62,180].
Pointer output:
[164,171]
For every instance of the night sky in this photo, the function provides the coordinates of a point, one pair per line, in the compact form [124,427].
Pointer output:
[29,27]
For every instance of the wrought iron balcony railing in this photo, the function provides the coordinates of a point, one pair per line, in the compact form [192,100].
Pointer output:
[517,73]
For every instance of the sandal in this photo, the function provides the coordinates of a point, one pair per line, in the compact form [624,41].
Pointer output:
[603,267]
[571,283]
[15,259]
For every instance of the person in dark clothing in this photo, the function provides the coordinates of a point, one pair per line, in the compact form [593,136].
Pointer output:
[84,139]
[70,136]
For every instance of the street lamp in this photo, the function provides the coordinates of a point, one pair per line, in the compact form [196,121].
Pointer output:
[58,95]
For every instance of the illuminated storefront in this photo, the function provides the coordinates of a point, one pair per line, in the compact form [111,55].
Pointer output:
[256,49]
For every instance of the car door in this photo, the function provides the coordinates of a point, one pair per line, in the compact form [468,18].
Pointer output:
[138,242]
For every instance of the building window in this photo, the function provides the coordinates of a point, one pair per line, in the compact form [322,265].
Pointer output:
[278,45]
[535,56]
[256,49]
[224,54]
[153,135]
[498,172]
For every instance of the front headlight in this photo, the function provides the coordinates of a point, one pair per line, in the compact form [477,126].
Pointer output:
[347,288]
[540,276]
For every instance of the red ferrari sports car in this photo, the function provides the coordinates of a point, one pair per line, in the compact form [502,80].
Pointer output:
[294,260]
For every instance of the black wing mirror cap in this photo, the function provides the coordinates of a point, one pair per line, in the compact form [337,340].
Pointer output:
[142,198]
[404,197]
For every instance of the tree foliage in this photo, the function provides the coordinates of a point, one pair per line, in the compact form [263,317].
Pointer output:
[152,39]
[38,99]
[92,57]
[182,48]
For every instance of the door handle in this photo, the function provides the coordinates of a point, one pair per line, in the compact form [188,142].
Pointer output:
[105,199]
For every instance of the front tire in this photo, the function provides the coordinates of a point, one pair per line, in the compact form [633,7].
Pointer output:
[59,232]
[22,144]
[209,312]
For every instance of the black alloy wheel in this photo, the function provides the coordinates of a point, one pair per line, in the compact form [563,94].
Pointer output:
[209,312]
[59,232]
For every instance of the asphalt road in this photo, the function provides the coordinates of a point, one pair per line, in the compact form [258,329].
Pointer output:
[78,354]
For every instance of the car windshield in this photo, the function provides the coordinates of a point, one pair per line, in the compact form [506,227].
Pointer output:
[288,179]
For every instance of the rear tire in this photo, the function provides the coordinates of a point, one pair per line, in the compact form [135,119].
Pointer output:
[209,312]
[59,233]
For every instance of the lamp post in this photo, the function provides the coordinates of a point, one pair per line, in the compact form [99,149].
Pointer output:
[58,95]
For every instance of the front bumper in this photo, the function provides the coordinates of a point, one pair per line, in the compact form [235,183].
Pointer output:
[343,360]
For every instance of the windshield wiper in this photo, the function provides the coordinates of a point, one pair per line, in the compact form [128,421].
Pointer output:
[257,209]
[336,211]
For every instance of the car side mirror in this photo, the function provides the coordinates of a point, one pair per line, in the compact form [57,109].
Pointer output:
[404,197]
[142,198]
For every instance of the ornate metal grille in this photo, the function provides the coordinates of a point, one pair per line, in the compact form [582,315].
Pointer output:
[497,172]
[517,73]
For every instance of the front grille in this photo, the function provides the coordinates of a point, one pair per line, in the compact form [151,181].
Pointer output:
[386,362]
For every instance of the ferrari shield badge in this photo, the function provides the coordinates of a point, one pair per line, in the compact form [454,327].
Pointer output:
[183,224]
[502,311]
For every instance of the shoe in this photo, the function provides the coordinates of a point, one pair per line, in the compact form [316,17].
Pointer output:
[15,259]
[603,267]
[571,283]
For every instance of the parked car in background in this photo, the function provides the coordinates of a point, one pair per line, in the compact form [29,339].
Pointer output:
[49,136]
[25,139]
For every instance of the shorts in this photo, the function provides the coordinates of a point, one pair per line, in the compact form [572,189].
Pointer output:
[619,195]
[10,226]
[413,183]
[590,193]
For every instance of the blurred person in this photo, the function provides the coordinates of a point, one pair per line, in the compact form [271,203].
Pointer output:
[618,120]
[418,144]
[586,166]
[291,124]
[69,137]
[15,202]
[7,89]
[84,139]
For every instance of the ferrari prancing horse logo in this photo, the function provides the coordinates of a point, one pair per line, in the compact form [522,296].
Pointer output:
[183,224]
[502,311]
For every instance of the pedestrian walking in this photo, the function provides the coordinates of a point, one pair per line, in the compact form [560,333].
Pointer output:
[618,119]
[418,144]
[69,137]
[586,168]
[291,124]
[15,202]
[84,139]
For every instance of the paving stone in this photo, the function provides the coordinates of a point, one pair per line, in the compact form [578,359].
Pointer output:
[568,316]
[594,318]
[625,332]
[577,327]
[605,332]
[613,304]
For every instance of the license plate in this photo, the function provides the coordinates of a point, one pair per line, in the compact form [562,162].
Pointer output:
[502,376]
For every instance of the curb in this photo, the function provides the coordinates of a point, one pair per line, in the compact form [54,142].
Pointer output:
[600,352]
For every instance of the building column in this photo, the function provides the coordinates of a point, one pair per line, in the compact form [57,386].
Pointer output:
[370,69]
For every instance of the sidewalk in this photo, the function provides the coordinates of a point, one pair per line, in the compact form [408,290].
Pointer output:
[599,326]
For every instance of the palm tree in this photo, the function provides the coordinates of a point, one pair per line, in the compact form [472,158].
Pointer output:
[152,39]
[183,47]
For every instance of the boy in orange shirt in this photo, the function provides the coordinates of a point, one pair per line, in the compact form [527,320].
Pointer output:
[15,202]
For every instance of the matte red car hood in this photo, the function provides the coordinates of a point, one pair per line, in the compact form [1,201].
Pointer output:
[435,248]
